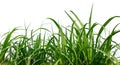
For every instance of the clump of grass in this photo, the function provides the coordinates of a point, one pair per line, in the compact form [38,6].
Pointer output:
[77,45]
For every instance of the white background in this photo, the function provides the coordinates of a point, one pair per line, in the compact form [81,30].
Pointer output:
[14,13]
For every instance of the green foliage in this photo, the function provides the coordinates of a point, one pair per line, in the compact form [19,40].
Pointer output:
[77,45]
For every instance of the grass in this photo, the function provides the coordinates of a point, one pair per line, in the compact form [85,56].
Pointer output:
[77,45]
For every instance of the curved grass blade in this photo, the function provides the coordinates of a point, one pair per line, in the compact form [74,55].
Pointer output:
[63,41]
[6,43]
[102,28]
[72,20]
[91,29]
[77,18]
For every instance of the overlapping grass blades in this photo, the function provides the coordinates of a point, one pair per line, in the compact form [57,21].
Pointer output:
[6,44]
[77,45]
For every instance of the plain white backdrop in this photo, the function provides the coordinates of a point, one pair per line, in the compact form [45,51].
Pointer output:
[17,12]
[14,13]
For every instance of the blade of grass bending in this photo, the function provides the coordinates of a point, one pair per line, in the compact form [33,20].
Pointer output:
[110,37]
[99,34]
[106,46]
[63,41]
[91,29]
[102,28]
[6,43]
[72,20]
[77,18]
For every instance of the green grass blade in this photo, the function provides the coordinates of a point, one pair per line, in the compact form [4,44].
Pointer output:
[63,41]
[90,17]
[91,29]
[72,20]
[77,18]
[6,43]
[102,28]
